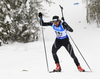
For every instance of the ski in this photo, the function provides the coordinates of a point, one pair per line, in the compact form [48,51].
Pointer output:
[53,72]
[60,72]
[87,71]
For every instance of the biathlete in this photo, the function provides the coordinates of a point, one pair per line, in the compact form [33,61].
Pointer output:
[62,39]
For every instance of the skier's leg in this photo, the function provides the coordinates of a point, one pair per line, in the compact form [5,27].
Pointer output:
[71,52]
[55,48]
[69,48]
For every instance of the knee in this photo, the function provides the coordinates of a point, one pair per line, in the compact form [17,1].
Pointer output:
[53,52]
[53,49]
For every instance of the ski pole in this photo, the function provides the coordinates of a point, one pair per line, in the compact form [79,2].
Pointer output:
[45,49]
[61,10]
[74,42]
[62,13]
[80,52]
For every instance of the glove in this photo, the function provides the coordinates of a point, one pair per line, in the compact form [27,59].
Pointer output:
[40,15]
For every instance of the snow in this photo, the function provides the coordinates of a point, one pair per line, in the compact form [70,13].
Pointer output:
[7,19]
[27,60]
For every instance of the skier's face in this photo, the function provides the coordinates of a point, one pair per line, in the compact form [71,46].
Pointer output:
[56,23]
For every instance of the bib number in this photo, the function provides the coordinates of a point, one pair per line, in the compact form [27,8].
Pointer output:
[58,34]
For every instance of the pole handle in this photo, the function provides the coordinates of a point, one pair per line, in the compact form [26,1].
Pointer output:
[62,12]
[61,7]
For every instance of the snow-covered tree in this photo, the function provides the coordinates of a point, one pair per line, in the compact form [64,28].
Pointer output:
[93,11]
[18,19]
[4,24]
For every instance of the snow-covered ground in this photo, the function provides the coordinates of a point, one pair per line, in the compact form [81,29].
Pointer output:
[27,61]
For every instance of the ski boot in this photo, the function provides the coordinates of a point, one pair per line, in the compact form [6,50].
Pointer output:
[80,69]
[58,68]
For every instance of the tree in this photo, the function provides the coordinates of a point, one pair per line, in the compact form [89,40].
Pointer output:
[93,11]
[23,17]
[4,25]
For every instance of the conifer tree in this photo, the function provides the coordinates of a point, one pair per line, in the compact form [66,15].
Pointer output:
[93,11]
[18,20]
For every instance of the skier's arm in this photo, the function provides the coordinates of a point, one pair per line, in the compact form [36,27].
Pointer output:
[42,23]
[67,27]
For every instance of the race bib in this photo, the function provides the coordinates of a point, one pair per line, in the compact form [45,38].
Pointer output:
[60,32]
